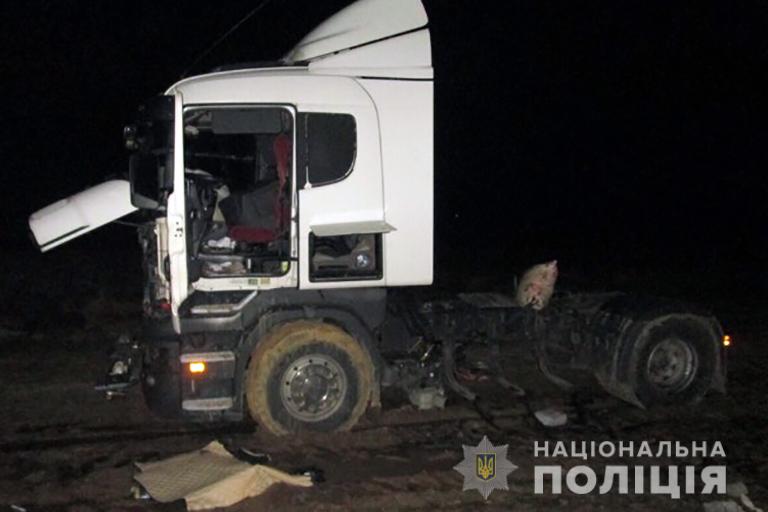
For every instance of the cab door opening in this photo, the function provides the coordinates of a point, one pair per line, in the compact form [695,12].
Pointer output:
[239,172]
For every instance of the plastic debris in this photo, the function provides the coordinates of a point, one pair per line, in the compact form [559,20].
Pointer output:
[551,417]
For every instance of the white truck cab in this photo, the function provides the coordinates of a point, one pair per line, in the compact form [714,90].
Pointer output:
[285,204]
[355,95]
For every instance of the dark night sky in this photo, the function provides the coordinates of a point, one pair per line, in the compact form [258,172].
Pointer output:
[603,133]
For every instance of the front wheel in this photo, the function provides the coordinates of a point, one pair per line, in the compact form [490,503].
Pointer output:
[308,376]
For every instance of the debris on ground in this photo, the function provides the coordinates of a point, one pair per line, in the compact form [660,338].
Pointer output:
[748,504]
[551,417]
[252,457]
[722,506]
[140,493]
[736,489]
[427,398]
[65,448]
[315,474]
[210,478]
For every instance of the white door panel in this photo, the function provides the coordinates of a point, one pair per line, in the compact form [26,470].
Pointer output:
[358,199]
[177,242]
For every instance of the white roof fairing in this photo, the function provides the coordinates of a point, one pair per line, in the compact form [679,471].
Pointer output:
[370,38]
[362,22]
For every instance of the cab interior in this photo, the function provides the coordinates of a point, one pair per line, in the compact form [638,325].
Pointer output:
[238,169]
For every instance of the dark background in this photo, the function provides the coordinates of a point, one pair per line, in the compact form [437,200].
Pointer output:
[625,139]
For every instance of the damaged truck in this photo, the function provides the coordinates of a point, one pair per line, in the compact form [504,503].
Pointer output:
[287,213]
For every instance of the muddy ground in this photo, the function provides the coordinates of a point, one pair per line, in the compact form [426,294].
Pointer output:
[64,447]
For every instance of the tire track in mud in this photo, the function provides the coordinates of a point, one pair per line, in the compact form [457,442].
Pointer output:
[128,434]
[516,421]
[146,435]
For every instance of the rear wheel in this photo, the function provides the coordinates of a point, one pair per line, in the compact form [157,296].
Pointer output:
[675,363]
[308,376]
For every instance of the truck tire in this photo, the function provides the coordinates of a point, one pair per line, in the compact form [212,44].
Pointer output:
[675,362]
[308,376]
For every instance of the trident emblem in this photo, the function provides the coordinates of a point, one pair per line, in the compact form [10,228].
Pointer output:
[486,466]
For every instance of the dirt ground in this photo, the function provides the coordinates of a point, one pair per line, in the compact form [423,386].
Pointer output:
[64,447]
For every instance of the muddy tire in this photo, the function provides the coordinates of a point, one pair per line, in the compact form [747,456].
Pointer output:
[675,362]
[308,376]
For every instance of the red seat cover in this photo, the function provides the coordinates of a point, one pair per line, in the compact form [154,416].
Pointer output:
[282,149]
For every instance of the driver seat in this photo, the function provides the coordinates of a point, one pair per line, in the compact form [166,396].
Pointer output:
[281,148]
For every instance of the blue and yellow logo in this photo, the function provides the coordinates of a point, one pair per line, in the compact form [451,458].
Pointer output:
[486,466]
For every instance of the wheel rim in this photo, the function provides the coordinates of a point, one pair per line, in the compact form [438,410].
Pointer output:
[671,365]
[313,387]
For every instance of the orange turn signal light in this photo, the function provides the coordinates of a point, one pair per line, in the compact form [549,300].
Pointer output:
[726,341]
[197,367]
